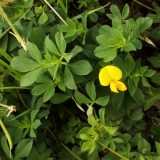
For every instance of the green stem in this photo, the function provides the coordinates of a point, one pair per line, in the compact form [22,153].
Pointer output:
[5,55]
[17,35]
[56,13]
[10,69]
[70,151]
[13,87]
[7,134]
[15,23]
[117,154]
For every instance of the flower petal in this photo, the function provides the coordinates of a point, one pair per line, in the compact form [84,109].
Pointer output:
[104,77]
[120,85]
[113,87]
[114,72]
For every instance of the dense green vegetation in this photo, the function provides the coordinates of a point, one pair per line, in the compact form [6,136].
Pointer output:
[79,80]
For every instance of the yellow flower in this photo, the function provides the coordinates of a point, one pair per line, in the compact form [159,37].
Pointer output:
[110,75]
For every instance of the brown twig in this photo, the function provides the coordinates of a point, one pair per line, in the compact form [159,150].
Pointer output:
[21,99]
[4,74]
[144,5]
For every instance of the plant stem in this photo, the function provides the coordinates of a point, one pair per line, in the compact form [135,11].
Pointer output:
[7,134]
[116,153]
[70,151]
[13,87]
[10,69]
[17,35]
[5,55]
[56,13]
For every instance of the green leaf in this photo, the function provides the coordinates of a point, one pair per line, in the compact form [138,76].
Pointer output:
[155,33]
[68,79]
[137,43]
[85,137]
[117,100]
[88,50]
[51,46]
[144,147]
[30,77]
[102,101]
[49,93]
[132,87]
[143,69]
[102,39]
[129,47]
[136,114]
[116,22]
[32,133]
[33,114]
[93,17]
[91,91]
[105,30]
[34,52]
[23,64]
[43,18]
[89,111]
[105,52]
[23,148]
[81,98]
[149,102]
[36,123]
[68,56]
[155,61]
[76,50]
[102,116]
[129,63]
[71,23]
[37,36]
[118,140]
[158,147]
[156,78]
[89,145]
[115,10]
[144,23]
[39,89]
[92,121]
[28,3]
[111,54]
[5,146]
[145,82]
[111,130]
[59,98]
[44,79]
[60,41]
[138,96]
[149,73]
[125,11]
[81,67]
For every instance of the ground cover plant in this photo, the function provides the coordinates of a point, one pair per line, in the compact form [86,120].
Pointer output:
[79,80]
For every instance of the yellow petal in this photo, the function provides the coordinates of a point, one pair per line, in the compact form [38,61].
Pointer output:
[104,77]
[120,85]
[113,87]
[114,72]
[108,74]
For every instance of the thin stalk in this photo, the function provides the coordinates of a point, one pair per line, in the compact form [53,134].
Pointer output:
[7,134]
[5,55]
[10,69]
[56,12]
[15,22]
[117,154]
[13,87]
[70,151]
[17,35]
